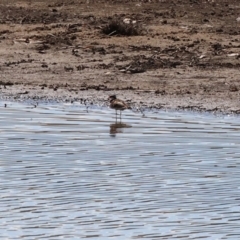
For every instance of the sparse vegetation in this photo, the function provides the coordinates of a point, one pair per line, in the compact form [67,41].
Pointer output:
[117,26]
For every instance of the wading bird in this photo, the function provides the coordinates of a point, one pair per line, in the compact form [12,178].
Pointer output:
[118,104]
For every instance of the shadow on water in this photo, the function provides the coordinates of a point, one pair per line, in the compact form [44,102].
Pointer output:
[165,176]
[117,127]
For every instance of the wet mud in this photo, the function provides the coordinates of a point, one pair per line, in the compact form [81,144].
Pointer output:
[164,54]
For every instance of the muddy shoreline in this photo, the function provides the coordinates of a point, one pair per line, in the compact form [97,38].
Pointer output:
[140,101]
[187,55]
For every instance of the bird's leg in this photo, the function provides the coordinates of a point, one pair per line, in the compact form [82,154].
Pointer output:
[120,116]
[116,115]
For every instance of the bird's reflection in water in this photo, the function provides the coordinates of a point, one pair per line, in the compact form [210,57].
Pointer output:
[117,127]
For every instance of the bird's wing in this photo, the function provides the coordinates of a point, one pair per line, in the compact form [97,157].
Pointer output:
[120,104]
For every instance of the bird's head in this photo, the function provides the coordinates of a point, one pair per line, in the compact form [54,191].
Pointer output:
[112,97]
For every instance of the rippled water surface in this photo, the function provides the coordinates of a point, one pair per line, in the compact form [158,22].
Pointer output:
[70,174]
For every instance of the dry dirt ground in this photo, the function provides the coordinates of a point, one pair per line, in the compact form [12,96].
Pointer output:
[178,54]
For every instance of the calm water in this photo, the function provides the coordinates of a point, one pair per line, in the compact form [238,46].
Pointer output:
[70,174]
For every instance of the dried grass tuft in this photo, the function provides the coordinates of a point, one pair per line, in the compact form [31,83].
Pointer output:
[117,26]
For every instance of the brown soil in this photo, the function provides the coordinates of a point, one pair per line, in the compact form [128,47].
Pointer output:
[178,54]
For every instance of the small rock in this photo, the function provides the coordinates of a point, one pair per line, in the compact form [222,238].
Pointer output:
[232,54]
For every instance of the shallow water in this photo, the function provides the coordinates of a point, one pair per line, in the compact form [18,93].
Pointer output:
[71,174]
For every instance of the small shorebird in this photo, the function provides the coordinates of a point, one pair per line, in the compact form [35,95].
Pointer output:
[118,104]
